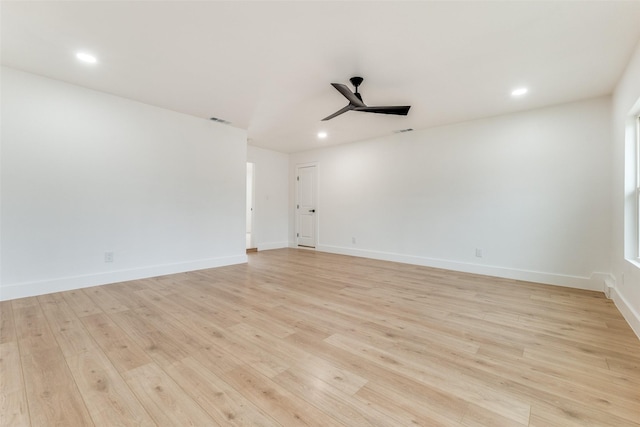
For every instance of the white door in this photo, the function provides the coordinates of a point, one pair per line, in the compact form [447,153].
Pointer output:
[306,206]
[249,213]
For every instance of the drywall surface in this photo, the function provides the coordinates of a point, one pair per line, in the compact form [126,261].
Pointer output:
[85,174]
[271,198]
[529,192]
[626,266]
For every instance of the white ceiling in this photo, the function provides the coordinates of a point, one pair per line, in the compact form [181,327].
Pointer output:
[267,66]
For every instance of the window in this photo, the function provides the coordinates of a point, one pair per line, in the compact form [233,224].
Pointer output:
[637,185]
[631,218]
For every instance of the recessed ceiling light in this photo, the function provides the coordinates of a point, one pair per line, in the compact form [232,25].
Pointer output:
[520,91]
[322,135]
[86,57]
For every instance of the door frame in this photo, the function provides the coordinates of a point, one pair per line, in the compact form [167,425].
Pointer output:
[295,204]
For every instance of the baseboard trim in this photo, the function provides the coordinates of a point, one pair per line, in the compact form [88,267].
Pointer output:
[272,245]
[28,289]
[595,282]
[630,315]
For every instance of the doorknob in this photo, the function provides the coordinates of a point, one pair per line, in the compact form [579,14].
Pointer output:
[312,210]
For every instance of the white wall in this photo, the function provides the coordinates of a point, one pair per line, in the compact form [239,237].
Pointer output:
[530,189]
[271,211]
[84,172]
[626,269]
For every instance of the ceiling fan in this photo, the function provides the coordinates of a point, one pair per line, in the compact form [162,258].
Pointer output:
[356,104]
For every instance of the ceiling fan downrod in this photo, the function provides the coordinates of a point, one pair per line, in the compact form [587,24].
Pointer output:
[356,81]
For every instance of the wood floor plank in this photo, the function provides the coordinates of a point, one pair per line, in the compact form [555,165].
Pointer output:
[23,302]
[283,405]
[261,359]
[108,399]
[14,410]
[339,378]
[125,294]
[580,386]
[267,319]
[164,400]
[145,327]
[477,416]
[217,360]
[263,341]
[7,325]
[563,355]
[80,303]
[68,330]
[199,303]
[345,408]
[221,401]
[467,388]
[53,396]
[299,337]
[624,365]
[266,362]
[104,300]
[195,317]
[32,329]
[597,370]
[574,414]
[409,409]
[419,403]
[106,395]
[125,353]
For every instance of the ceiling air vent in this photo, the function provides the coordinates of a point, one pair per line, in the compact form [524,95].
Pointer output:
[403,130]
[224,122]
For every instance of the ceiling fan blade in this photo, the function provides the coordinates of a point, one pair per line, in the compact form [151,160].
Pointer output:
[397,110]
[344,90]
[337,113]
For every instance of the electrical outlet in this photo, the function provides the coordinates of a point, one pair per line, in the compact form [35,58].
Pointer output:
[353,240]
[108,257]
[478,253]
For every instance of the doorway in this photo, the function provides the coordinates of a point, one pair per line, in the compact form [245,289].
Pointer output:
[250,244]
[306,206]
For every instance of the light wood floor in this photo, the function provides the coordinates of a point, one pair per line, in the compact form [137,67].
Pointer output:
[304,338]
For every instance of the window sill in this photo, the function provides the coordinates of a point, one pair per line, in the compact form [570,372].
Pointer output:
[634,262]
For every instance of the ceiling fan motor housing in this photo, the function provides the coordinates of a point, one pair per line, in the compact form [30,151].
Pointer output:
[356,81]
